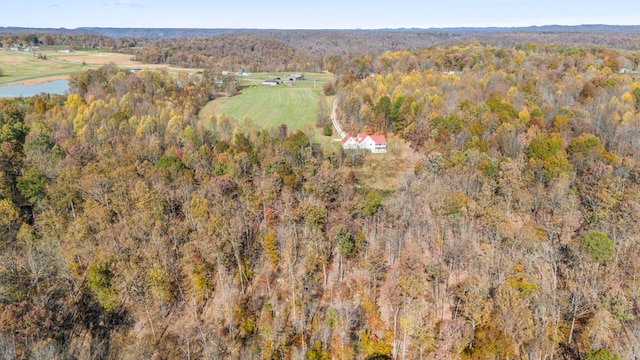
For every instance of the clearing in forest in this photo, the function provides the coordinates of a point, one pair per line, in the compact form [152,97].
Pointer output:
[266,107]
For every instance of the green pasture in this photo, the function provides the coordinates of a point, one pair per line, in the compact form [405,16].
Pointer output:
[18,66]
[265,107]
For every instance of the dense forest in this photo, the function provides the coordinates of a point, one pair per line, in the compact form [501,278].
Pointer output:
[131,228]
[303,50]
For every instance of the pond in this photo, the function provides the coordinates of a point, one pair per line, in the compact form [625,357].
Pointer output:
[51,87]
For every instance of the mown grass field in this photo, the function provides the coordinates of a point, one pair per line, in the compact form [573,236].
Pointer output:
[270,107]
[266,107]
[24,67]
[20,66]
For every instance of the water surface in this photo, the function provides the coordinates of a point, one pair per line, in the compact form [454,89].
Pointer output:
[51,87]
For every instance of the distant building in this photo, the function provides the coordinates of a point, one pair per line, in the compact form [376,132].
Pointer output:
[295,77]
[270,82]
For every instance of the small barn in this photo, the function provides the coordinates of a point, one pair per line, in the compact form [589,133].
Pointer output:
[294,77]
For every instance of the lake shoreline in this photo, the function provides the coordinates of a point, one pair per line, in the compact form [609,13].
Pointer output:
[36,81]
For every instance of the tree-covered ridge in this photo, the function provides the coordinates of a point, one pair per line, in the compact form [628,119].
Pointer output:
[303,50]
[131,228]
[468,89]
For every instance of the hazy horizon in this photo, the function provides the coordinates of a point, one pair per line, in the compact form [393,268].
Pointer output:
[331,14]
[320,29]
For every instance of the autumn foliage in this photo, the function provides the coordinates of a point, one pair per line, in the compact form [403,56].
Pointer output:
[131,227]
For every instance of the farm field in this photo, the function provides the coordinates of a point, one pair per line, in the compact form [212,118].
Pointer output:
[266,107]
[26,68]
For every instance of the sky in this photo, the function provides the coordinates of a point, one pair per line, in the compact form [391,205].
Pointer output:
[316,14]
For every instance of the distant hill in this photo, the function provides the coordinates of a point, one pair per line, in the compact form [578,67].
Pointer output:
[164,33]
[155,33]
[24,30]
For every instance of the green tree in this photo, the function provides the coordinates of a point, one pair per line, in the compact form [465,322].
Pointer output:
[452,123]
[599,247]
[344,241]
[372,202]
[100,282]
[636,93]
[501,108]
[543,146]
[601,354]
[548,159]
[396,115]
[383,106]
[31,185]
[171,166]
[584,151]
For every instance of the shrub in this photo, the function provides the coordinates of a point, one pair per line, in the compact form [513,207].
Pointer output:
[329,88]
[327,130]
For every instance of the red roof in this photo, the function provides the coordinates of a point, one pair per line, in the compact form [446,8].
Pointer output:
[361,137]
[346,138]
[379,139]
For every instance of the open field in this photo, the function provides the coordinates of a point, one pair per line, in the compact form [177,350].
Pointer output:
[22,66]
[25,68]
[100,58]
[265,107]
[268,107]
[93,58]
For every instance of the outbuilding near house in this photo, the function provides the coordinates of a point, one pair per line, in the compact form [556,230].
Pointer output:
[294,77]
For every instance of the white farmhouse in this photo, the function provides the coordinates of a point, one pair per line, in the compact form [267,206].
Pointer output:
[373,143]
[376,143]
[348,142]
